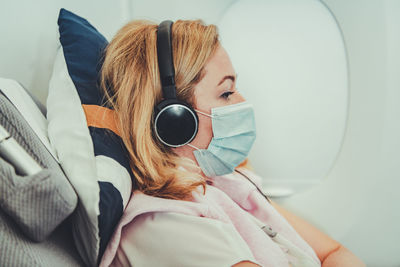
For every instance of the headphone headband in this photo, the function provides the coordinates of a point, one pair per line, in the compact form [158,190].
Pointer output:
[165,60]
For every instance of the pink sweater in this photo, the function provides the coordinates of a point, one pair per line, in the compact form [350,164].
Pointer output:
[229,199]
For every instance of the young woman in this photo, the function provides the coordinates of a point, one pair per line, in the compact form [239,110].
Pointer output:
[196,203]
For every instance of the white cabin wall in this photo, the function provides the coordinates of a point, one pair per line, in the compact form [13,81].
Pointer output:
[357,202]
[209,11]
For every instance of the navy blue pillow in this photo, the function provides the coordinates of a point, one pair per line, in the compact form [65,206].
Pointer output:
[83,48]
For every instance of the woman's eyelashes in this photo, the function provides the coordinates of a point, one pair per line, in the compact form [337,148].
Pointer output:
[227,94]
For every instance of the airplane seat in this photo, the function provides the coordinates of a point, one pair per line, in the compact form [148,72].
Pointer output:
[35,209]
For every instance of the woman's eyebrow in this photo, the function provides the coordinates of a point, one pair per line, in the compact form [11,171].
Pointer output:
[230,77]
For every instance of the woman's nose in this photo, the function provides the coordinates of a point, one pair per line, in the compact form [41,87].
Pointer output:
[239,98]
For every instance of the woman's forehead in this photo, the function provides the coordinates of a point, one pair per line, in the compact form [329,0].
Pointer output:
[217,68]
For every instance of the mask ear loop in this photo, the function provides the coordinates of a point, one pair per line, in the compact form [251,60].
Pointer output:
[203,113]
[194,147]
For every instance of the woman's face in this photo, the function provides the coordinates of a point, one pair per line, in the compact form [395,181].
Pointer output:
[217,88]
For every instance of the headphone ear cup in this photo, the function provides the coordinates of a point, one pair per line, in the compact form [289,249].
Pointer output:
[175,124]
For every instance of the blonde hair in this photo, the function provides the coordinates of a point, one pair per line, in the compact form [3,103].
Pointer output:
[131,83]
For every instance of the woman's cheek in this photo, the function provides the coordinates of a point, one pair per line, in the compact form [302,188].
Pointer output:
[204,134]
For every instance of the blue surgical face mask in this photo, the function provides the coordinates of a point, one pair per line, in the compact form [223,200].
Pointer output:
[234,132]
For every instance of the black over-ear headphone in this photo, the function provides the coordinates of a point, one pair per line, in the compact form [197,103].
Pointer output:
[175,123]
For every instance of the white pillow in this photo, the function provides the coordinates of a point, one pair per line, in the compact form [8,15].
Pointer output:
[69,135]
